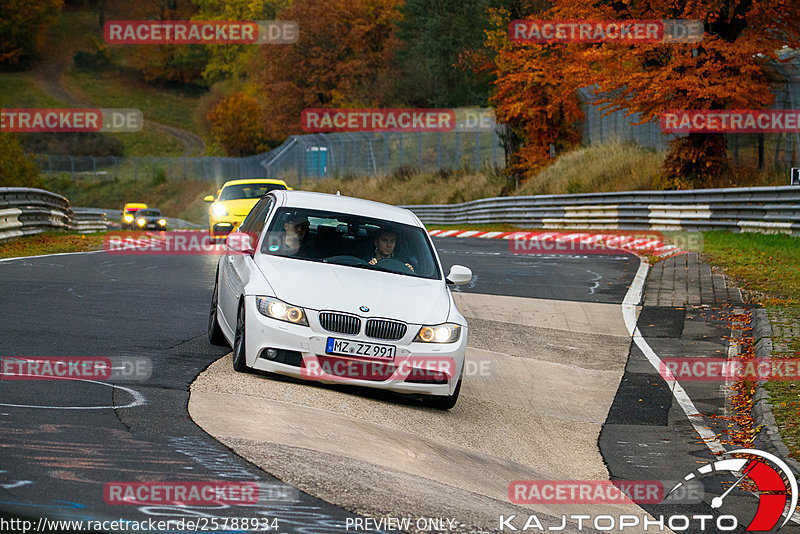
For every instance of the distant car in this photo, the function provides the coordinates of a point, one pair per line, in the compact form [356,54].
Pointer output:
[234,201]
[325,304]
[128,212]
[149,219]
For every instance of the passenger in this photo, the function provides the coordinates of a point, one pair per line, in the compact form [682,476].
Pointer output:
[294,240]
[385,242]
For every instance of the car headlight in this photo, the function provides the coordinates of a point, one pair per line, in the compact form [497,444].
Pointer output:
[141,222]
[128,218]
[162,222]
[218,210]
[277,309]
[441,333]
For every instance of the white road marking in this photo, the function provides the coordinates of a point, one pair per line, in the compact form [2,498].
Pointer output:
[138,398]
[632,298]
[51,255]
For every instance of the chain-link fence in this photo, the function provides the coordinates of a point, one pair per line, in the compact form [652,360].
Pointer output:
[301,157]
[765,150]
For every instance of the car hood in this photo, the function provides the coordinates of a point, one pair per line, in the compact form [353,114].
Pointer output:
[322,286]
[239,207]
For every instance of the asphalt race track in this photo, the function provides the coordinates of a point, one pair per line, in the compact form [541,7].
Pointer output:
[63,440]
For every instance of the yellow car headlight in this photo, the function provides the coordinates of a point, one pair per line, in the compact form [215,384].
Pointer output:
[128,218]
[162,222]
[277,309]
[442,333]
[218,210]
[141,222]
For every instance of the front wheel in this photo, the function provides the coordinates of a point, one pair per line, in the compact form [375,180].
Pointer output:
[215,335]
[239,356]
[443,402]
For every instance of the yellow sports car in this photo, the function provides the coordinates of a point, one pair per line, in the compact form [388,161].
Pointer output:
[128,212]
[234,201]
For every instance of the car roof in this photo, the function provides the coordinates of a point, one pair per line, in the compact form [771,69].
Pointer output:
[135,205]
[355,206]
[254,181]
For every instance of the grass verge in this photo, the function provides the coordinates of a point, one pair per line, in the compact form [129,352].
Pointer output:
[766,266]
[183,200]
[50,243]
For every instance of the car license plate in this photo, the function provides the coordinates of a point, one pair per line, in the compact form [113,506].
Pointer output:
[344,347]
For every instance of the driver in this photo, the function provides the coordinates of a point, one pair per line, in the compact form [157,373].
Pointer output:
[385,241]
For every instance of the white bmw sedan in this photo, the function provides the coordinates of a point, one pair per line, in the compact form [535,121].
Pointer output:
[338,289]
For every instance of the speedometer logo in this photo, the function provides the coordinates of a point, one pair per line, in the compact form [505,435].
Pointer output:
[774,480]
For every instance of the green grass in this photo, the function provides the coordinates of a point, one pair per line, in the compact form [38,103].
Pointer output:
[50,243]
[768,264]
[19,90]
[118,89]
[179,199]
[415,188]
[600,168]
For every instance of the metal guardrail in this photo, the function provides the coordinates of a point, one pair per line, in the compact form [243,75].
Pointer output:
[742,209]
[26,211]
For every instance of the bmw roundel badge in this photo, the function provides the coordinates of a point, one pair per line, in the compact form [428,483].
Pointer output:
[364,309]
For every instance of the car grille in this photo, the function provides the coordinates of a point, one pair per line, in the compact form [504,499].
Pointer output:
[340,323]
[382,329]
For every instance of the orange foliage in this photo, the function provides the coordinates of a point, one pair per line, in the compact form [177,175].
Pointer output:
[724,71]
[236,125]
[342,59]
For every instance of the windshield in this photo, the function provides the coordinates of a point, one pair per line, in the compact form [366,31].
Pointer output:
[351,240]
[240,191]
[148,213]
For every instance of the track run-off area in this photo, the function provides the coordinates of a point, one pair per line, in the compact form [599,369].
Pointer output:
[554,348]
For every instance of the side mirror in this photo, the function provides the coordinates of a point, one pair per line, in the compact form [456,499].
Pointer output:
[459,275]
[209,198]
[239,242]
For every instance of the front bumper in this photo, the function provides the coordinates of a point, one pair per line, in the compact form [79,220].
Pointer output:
[299,351]
[222,226]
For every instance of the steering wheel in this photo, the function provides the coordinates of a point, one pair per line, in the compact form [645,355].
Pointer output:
[393,264]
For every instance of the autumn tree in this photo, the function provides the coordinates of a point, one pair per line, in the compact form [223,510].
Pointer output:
[231,60]
[533,96]
[236,125]
[441,42]
[726,70]
[342,59]
[24,26]
[182,64]
[16,168]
